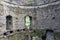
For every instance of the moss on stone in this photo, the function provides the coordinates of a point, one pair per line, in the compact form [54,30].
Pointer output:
[12,38]
[57,35]
[18,35]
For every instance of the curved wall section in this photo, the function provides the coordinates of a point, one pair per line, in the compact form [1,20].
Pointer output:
[31,2]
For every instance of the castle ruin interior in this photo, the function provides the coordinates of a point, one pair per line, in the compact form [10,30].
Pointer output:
[30,20]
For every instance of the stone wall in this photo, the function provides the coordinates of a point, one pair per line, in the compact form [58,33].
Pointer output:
[48,17]
[42,18]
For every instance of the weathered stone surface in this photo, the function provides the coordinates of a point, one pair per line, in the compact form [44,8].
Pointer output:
[42,18]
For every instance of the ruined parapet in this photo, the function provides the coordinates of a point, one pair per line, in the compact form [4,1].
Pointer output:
[34,2]
[31,2]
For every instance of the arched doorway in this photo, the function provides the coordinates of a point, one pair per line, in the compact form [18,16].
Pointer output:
[49,35]
[8,22]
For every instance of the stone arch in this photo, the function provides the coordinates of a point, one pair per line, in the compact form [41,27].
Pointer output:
[8,22]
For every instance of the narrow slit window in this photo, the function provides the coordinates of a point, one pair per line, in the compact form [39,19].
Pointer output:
[8,22]
[28,21]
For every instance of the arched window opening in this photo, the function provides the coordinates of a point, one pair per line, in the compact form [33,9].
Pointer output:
[28,20]
[8,22]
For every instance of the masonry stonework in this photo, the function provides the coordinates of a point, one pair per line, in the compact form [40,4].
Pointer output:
[45,19]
